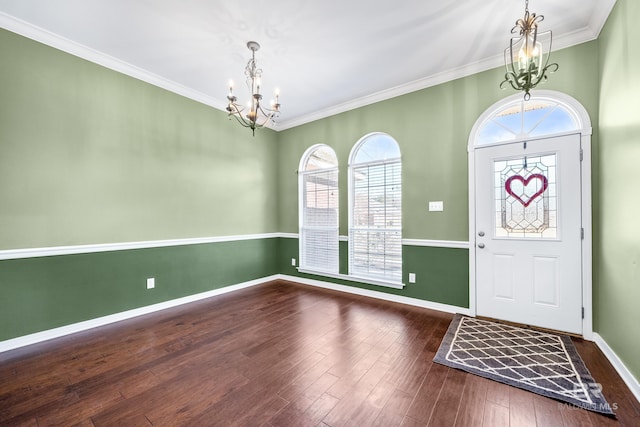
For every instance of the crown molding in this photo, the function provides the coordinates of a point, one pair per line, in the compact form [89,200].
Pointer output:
[383,95]
[11,23]
[582,35]
[26,29]
[601,14]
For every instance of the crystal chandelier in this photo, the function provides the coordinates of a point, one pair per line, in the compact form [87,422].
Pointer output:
[527,57]
[253,115]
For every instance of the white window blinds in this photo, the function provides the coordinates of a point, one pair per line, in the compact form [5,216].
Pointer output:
[375,233]
[319,212]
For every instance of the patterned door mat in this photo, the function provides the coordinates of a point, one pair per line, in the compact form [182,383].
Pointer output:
[536,361]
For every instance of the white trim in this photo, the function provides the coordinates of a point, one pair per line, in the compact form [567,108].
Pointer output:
[305,158]
[582,132]
[600,16]
[579,114]
[436,243]
[7,254]
[61,331]
[619,366]
[302,173]
[358,279]
[580,36]
[587,241]
[394,92]
[48,38]
[42,336]
[405,242]
[124,315]
[378,295]
[352,165]
[585,131]
[26,29]
[124,246]
[472,231]
[288,235]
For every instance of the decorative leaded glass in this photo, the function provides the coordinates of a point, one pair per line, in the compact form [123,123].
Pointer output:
[526,197]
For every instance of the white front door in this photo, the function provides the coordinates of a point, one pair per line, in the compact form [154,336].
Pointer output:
[528,233]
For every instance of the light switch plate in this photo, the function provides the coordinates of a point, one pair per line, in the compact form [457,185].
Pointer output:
[436,206]
[412,277]
[151,283]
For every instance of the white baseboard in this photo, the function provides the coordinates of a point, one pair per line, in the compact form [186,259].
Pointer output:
[619,365]
[38,337]
[116,317]
[379,295]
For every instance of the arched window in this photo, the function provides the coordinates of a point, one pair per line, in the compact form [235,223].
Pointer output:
[318,198]
[519,119]
[375,209]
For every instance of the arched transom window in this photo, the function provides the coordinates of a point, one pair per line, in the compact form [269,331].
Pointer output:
[521,119]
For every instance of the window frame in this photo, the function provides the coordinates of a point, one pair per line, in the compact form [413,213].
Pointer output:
[352,167]
[489,117]
[304,266]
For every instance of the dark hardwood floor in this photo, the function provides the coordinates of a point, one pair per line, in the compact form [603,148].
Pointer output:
[279,354]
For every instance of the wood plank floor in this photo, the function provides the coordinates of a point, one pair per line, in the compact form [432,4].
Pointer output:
[278,354]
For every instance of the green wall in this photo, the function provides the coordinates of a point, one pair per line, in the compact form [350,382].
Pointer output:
[432,127]
[89,155]
[92,156]
[37,294]
[442,274]
[618,253]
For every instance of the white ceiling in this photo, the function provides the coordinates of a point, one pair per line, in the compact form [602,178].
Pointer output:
[325,56]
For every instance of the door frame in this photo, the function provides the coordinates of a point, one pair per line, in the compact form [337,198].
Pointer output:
[585,131]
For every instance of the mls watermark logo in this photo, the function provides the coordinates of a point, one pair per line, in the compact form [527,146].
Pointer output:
[593,389]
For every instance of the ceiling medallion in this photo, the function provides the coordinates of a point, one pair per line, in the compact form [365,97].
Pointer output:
[527,56]
[253,115]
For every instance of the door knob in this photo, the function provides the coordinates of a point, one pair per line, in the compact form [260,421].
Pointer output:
[481,245]
[481,234]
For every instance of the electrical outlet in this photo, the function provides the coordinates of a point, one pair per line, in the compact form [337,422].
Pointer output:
[151,283]
[293,262]
[412,277]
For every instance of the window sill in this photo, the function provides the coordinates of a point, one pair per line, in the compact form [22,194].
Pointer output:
[367,280]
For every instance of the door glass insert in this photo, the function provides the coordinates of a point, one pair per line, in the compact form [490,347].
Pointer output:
[526,205]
